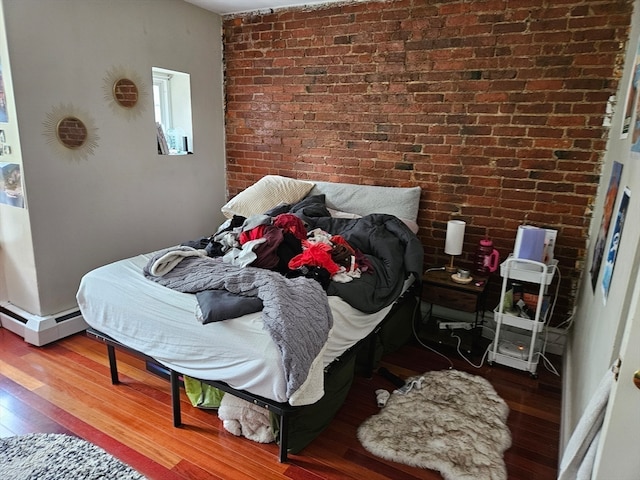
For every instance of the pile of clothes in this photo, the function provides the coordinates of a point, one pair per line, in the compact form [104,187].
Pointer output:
[282,243]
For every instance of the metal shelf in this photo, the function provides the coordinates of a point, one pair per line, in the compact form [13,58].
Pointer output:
[528,271]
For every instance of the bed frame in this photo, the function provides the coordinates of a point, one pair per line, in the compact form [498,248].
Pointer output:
[283,411]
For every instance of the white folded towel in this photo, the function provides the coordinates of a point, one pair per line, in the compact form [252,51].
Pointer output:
[166,261]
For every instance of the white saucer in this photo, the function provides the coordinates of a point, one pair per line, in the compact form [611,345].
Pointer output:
[456,278]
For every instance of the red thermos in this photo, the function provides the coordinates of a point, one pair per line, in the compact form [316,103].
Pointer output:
[487,258]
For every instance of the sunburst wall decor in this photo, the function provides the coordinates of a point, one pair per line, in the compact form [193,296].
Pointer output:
[71,132]
[124,91]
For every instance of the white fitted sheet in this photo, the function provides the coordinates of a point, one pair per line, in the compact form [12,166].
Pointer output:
[119,301]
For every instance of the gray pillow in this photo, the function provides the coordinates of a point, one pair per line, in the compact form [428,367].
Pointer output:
[218,305]
[403,202]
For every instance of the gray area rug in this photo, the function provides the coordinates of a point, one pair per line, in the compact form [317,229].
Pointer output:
[454,422]
[52,456]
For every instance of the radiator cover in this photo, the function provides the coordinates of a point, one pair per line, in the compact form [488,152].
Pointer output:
[39,330]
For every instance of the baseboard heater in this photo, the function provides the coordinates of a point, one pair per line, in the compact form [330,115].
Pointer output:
[39,330]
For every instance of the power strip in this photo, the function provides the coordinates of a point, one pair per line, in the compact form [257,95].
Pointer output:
[455,326]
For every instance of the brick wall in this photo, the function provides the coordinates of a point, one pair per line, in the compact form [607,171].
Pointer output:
[494,108]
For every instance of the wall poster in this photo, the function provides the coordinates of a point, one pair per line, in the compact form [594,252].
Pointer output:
[607,212]
[632,108]
[11,185]
[4,117]
[615,243]
[631,99]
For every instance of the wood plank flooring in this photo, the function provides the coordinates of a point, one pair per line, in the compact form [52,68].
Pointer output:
[65,388]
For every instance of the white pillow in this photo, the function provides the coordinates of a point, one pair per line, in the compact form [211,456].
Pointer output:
[267,193]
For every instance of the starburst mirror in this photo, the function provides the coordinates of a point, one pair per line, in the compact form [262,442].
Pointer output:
[125,92]
[71,132]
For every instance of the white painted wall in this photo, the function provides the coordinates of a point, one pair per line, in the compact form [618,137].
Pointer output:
[125,198]
[594,342]
[17,263]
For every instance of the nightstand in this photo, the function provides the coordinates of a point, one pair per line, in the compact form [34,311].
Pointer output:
[438,288]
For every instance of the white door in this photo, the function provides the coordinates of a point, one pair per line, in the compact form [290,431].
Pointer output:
[619,455]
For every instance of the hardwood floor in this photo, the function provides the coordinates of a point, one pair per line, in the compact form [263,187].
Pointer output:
[65,388]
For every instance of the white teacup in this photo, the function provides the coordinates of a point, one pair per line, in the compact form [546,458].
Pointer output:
[464,274]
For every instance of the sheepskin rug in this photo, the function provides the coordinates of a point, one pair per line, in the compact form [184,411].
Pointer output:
[454,423]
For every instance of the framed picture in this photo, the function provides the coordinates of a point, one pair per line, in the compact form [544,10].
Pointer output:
[4,116]
[11,185]
[609,202]
[631,100]
[615,243]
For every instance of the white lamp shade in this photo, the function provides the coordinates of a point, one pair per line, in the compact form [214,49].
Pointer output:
[455,237]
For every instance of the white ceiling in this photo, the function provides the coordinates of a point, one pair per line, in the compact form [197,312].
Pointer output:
[230,7]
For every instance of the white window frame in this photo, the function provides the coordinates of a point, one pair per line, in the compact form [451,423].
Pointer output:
[173,105]
[162,81]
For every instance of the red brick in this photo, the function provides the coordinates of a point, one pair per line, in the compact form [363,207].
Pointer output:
[468,99]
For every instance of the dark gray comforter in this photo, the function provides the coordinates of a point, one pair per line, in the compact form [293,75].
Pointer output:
[392,248]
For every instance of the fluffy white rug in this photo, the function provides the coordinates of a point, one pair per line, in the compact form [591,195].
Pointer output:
[53,456]
[455,424]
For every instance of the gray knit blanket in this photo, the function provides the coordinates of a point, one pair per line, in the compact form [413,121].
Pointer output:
[296,311]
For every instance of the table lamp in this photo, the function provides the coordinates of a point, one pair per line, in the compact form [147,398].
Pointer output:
[454,240]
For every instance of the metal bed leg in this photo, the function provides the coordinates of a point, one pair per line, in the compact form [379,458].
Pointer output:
[175,397]
[113,366]
[284,437]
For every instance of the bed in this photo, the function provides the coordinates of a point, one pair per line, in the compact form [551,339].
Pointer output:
[156,305]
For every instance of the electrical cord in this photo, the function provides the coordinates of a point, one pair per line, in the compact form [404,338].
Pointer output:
[417,337]
[568,322]
[547,364]
[459,341]
[484,355]
[541,354]
[413,325]
[563,332]
[555,295]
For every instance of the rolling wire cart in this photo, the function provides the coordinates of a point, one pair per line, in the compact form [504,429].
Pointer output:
[521,355]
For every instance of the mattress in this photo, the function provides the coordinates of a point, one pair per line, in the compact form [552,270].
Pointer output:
[119,301]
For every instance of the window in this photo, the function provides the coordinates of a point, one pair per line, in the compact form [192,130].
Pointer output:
[161,99]
[172,111]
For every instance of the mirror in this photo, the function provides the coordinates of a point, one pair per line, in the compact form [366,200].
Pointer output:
[125,93]
[69,136]
[71,132]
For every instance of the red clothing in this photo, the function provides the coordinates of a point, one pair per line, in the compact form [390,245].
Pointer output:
[315,255]
[291,224]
